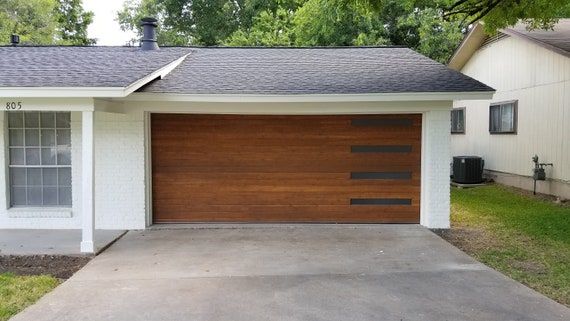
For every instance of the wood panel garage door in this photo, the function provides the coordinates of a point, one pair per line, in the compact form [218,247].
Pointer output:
[227,168]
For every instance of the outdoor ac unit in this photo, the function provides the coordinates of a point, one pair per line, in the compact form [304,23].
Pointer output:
[468,169]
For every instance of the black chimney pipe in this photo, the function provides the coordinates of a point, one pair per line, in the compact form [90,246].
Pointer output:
[148,41]
[14,40]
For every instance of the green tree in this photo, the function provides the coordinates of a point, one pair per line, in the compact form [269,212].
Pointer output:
[183,22]
[430,34]
[337,23]
[45,22]
[268,29]
[498,14]
[35,21]
[73,22]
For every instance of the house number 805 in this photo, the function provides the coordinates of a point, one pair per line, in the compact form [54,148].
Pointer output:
[13,105]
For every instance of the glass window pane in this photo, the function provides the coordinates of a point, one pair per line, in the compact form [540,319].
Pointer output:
[65,196]
[63,156]
[32,156]
[34,195]
[48,156]
[50,195]
[63,137]
[47,120]
[18,196]
[507,118]
[495,118]
[32,137]
[34,177]
[18,176]
[15,119]
[17,156]
[45,138]
[16,137]
[64,176]
[63,120]
[32,119]
[460,120]
[49,176]
[48,137]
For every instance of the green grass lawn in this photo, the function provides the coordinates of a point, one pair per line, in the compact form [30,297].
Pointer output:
[520,235]
[18,292]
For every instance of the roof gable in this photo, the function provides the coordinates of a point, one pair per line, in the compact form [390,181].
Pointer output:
[557,40]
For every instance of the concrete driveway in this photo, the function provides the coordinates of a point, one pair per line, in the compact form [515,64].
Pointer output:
[385,272]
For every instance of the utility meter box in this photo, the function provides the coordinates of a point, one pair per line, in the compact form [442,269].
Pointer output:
[539,174]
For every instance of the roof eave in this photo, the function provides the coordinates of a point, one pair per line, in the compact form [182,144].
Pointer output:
[514,33]
[260,98]
[470,44]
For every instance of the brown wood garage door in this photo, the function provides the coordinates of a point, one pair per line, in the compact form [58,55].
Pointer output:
[228,168]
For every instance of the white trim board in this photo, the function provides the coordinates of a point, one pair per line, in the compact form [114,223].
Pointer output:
[245,98]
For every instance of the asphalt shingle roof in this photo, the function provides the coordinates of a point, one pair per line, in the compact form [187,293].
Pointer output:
[262,71]
[282,71]
[558,37]
[80,66]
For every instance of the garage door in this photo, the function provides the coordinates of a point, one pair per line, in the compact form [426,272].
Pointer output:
[228,168]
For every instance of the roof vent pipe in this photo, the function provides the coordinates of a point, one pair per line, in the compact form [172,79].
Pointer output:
[148,41]
[14,40]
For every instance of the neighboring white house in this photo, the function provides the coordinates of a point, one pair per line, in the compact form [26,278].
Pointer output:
[530,112]
[124,137]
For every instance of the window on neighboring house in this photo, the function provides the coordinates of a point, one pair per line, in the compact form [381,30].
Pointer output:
[39,159]
[458,120]
[503,118]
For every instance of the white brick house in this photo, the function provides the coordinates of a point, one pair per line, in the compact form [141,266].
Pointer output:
[123,138]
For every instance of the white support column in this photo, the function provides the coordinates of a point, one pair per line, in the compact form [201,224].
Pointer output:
[434,212]
[87,182]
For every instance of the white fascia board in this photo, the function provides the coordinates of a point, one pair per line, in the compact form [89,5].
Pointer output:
[91,92]
[61,92]
[439,96]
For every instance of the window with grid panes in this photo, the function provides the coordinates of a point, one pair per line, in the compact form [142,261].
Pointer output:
[39,159]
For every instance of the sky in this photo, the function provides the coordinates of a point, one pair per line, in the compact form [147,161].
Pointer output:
[104,27]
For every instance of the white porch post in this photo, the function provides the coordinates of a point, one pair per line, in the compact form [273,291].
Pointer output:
[87,182]
[434,211]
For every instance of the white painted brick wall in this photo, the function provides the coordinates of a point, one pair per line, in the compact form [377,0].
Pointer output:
[435,169]
[119,176]
[120,184]
[119,171]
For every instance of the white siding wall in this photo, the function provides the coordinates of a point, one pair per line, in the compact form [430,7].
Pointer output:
[540,80]
[119,177]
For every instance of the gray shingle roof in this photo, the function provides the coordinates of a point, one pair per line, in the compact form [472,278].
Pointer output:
[80,66]
[282,71]
[264,71]
[558,38]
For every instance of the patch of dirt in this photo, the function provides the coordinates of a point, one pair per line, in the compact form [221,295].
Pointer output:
[469,240]
[543,197]
[59,266]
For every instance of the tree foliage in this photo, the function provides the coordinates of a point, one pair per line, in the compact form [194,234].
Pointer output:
[337,23]
[498,14]
[73,22]
[432,27]
[33,20]
[45,22]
